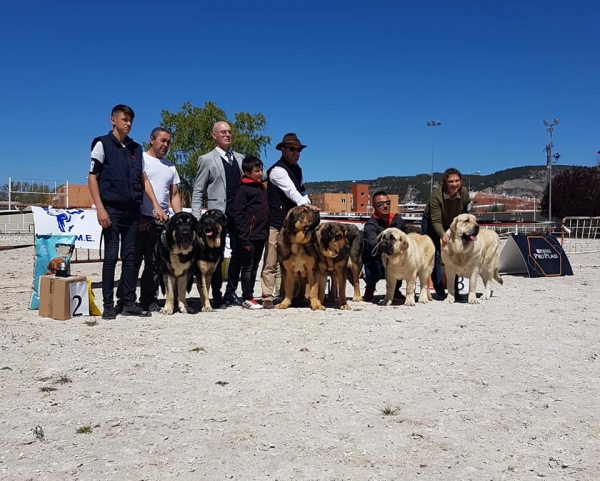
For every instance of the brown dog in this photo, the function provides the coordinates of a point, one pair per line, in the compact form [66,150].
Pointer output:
[54,264]
[297,254]
[209,232]
[334,242]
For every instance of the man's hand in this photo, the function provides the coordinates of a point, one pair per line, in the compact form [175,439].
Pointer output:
[445,238]
[313,207]
[103,217]
[159,214]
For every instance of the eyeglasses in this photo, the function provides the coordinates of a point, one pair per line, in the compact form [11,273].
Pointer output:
[294,149]
[383,202]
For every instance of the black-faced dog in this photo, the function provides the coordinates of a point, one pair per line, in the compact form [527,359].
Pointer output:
[297,254]
[209,231]
[176,254]
[333,242]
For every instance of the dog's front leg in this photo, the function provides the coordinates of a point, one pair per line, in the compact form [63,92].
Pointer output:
[203,283]
[411,284]
[288,283]
[473,287]
[181,294]
[340,274]
[169,295]
[313,283]
[450,278]
[390,287]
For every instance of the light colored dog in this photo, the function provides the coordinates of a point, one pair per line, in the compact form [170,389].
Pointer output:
[470,252]
[406,256]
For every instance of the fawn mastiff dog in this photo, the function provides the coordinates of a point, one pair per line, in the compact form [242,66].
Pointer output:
[471,252]
[406,256]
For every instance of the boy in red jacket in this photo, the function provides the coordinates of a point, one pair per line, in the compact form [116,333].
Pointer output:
[250,211]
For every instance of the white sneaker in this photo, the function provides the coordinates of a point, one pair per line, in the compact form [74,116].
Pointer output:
[251,304]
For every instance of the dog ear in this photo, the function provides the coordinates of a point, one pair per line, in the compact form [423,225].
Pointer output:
[403,244]
[453,228]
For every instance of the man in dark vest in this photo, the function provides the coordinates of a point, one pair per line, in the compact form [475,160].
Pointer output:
[219,176]
[117,182]
[285,190]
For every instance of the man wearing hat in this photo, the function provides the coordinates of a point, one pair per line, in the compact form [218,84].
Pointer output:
[285,190]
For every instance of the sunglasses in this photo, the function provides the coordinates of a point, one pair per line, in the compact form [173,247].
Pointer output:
[295,149]
[382,203]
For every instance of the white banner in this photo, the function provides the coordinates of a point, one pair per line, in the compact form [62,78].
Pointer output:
[82,223]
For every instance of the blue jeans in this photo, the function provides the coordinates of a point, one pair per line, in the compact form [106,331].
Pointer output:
[122,232]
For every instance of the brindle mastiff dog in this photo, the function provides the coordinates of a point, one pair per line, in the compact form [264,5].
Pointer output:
[334,243]
[175,251]
[297,254]
[208,254]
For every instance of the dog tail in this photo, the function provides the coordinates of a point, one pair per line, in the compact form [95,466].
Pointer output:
[497,277]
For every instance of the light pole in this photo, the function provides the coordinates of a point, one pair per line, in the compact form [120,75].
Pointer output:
[477,172]
[550,159]
[432,123]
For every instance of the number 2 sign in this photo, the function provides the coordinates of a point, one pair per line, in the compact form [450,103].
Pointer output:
[80,302]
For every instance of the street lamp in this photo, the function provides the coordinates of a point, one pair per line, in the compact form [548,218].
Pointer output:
[550,159]
[432,123]
[477,172]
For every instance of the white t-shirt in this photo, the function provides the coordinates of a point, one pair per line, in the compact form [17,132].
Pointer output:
[162,175]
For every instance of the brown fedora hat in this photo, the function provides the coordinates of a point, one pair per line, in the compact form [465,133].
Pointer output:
[291,139]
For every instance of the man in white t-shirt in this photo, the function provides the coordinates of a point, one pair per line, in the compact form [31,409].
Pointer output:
[164,179]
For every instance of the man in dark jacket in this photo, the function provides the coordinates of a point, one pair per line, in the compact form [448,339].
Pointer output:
[117,182]
[379,221]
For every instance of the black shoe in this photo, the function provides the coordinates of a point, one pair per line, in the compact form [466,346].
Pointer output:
[440,294]
[109,313]
[232,300]
[134,310]
[218,303]
[119,307]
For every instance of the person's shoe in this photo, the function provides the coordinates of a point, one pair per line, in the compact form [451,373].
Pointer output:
[218,303]
[152,307]
[440,294]
[119,307]
[134,310]
[369,293]
[268,304]
[109,313]
[232,300]
[251,304]
[399,297]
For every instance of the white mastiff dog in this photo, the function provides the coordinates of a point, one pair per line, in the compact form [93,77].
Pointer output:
[470,252]
[406,256]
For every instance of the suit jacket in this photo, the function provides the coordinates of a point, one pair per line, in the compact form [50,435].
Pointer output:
[209,187]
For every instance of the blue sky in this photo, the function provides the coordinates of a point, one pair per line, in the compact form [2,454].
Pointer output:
[356,81]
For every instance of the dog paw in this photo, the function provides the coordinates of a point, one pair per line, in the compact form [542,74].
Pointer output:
[409,303]
[449,299]
[385,302]
[317,307]
[167,310]
[473,301]
[356,299]
[283,305]
[207,309]
[345,307]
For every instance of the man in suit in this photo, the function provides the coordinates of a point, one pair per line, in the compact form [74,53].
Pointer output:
[219,176]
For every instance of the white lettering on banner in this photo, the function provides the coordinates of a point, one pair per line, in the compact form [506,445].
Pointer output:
[82,223]
[544,254]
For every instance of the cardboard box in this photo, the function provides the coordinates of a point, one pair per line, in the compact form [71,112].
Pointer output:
[63,297]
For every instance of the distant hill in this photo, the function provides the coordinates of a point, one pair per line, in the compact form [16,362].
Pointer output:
[519,181]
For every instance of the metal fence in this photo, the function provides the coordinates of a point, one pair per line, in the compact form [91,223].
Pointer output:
[580,234]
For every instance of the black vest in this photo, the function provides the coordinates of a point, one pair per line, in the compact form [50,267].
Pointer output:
[232,182]
[279,203]
[120,181]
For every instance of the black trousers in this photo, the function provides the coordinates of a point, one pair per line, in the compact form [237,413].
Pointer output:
[249,260]
[121,233]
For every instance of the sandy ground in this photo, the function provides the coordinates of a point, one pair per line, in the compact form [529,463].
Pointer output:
[505,390]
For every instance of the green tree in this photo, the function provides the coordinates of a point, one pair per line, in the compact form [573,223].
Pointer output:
[575,192]
[192,136]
